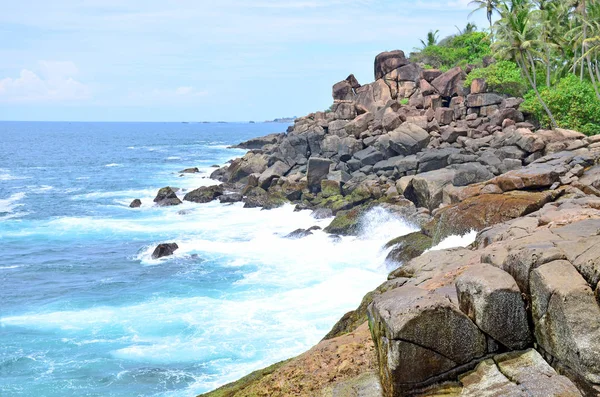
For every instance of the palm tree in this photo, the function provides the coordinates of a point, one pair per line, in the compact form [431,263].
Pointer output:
[490,6]
[432,38]
[518,41]
[470,28]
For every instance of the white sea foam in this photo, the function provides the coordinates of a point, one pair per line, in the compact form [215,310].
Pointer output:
[173,158]
[9,204]
[5,175]
[290,294]
[9,267]
[113,165]
[456,241]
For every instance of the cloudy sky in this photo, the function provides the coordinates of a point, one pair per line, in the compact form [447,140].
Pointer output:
[192,60]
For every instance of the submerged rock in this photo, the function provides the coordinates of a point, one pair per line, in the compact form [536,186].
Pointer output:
[165,249]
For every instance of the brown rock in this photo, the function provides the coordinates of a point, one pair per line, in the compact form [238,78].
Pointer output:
[478,86]
[450,83]
[342,91]
[388,61]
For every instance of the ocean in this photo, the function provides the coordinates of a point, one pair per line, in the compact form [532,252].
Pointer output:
[86,311]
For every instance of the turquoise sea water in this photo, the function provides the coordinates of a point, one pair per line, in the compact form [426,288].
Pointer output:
[85,311]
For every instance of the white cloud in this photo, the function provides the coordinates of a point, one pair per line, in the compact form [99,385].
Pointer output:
[54,83]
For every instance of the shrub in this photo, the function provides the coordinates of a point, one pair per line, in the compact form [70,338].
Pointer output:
[468,48]
[404,101]
[572,102]
[503,77]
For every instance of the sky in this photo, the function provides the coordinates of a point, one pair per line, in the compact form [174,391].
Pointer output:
[199,60]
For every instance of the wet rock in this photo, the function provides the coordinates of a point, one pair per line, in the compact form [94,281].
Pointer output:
[299,233]
[137,203]
[165,249]
[479,212]
[227,198]
[166,197]
[193,170]
[204,194]
[408,247]
[322,213]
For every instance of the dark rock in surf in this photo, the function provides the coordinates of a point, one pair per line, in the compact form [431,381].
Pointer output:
[166,249]
[166,197]
[137,203]
[230,198]
[204,194]
[193,170]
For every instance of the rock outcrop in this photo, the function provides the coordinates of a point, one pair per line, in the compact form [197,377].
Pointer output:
[165,249]
[517,313]
[166,197]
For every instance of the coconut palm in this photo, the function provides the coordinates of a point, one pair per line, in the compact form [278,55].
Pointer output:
[518,40]
[490,6]
[432,38]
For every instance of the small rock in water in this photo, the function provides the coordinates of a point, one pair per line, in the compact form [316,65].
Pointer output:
[214,166]
[137,203]
[299,233]
[190,170]
[166,197]
[322,213]
[165,249]
[335,238]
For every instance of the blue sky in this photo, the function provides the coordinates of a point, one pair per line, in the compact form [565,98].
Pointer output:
[186,60]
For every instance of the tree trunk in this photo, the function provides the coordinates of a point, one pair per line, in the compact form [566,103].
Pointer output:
[523,65]
[583,21]
[589,62]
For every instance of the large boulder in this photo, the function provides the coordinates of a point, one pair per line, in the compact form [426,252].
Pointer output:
[479,100]
[342,91]
[251,163]
[567,318]
[388,61]
[359,125]
[369,156]
[418,336]
[479,212]
[450,83]
[492,299]
[317,170]
[408,139]
[277,170]
[166,197]
[204,194]
[166,249]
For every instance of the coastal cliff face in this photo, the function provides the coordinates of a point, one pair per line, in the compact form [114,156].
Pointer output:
[515,314]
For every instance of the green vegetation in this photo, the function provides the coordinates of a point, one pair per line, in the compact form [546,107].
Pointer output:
[465,48]
[572,101]
[502,76]
[552,41]
[404,101]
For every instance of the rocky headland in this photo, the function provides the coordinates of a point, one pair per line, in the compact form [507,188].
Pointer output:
[517,313]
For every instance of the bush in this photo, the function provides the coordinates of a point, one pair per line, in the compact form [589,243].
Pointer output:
[468,48]
[572,102]
[503,77]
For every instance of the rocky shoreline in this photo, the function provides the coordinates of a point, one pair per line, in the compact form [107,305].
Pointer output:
[515,314]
